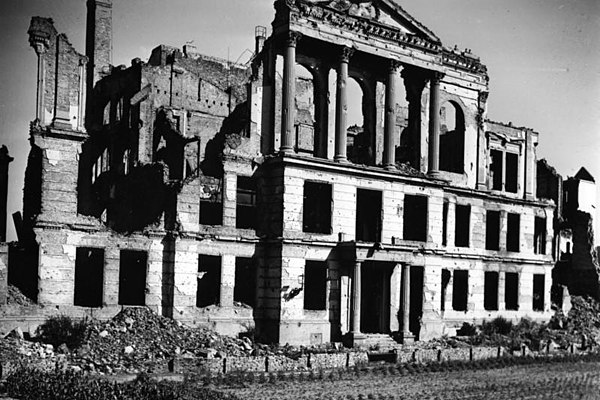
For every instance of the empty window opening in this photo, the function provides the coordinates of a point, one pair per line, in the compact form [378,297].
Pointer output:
[492,230]
[211,210]
[538,292]
[539,236]
[358,139]
[462,226]
[316,208]
[511,291]
[512,172]
[415,218]
[445,223]
[209,280]
[315,285]
[496,169]
[368,215]
[490,291]
[452,137]
[460,290]
[246,203]
[132,277]
[513,232]
[445,281]
[244,290]
[89,277]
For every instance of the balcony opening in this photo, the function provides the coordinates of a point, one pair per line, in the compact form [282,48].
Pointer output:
[513,232]
[496,169]
[208,290]
[463,225]
[244,290]
[492,230]
[512,173]
[368,215]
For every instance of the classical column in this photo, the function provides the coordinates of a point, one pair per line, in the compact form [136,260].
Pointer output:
[5,159]
[407,336]
[40,48]
[288,107]
[341,111]
[434,123]
[389,142]
[356,293]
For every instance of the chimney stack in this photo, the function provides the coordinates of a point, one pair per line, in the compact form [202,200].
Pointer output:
[98,39]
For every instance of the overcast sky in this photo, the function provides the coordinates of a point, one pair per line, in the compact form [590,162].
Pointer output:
[543,58]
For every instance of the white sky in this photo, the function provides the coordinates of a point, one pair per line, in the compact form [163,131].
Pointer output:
[543,58]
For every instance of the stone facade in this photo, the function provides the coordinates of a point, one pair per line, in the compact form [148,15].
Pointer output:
[239,198]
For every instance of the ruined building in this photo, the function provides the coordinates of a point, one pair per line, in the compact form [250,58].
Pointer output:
[248,197]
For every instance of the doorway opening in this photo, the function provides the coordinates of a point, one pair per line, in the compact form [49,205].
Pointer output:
[375,297]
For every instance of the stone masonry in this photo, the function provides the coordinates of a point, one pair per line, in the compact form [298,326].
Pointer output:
[238,196]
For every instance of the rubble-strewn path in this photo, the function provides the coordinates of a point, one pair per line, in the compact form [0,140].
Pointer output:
[567,380]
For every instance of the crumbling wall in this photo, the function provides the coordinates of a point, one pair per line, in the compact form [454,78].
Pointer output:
[584,271]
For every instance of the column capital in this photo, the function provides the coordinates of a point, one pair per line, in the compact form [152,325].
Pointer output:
[436,77]
[394,66]
[346,53]
[292,38]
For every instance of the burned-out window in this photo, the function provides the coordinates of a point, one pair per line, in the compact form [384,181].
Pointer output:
[460,290]
[490,291]
[368,215]
[315,285]
[492,230]
[246,203]
[89,277]
[462,227]
[511,290]
[132,277]
[445,223]
[209,280]
[512,173]
[513,232]
[211,210]
[415,218]
[316,207]
[445,281]
[244,290]
[496,169]
[538,292]
[539,236]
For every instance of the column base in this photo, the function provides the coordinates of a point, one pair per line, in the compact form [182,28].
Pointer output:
[341,160]
[390,167]
[354,339]
[406,337]
[434,174]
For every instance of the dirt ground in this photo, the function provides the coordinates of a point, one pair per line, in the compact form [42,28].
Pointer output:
[567,380]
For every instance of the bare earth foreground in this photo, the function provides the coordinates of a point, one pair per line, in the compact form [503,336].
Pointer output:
[568,380]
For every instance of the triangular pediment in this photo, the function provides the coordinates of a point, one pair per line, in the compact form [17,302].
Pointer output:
[385,12]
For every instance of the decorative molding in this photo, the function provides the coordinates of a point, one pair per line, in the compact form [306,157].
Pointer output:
[393,66]
[292,38]
[346,53]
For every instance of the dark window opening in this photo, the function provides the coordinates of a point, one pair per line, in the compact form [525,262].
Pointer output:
[490,291]
[462,227]
[316,208]
[244,290]
[315,285]
[132,277]
[445,223]
[538,292]
[211,210]
[452,138]
[539,236]
[209,280]
[496,169]
[368,215]
[492,230]
[415,218]
[511,290]
[512,172]
[460,290]
[246,203]
[89,277]
[445,281]
[513,232]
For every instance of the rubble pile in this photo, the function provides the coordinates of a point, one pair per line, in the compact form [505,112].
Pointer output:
[16,297]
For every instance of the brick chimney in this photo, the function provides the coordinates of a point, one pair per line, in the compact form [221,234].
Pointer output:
[98,39]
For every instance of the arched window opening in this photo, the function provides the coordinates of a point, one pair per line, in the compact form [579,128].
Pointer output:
[452,137]
[358,140]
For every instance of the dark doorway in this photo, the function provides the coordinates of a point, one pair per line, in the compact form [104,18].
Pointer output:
[89,277]
[208,291]
[368,215]
[244,289]
[416,300]
[132,278]
[375,297]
